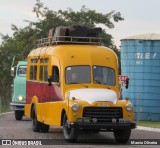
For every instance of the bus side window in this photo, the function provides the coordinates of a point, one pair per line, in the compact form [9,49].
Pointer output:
[35,72]
[41,73]
[55,74]
[31,72]
[45,73]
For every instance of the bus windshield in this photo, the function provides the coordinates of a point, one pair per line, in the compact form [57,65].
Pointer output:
[22,71]
[104,75]
[78,74]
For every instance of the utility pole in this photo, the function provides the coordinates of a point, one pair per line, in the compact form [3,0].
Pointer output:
[138,115]
[0,106]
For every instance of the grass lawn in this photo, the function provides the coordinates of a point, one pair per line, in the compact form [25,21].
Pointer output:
[149,124]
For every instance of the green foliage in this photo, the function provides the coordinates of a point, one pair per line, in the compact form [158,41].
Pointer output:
[19,46]
[24,39]
[48,19]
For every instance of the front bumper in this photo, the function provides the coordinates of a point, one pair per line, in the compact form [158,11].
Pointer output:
[108,126]
[17,106]
[104,126]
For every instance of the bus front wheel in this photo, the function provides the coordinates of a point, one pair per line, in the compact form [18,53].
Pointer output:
[122,136]
[70,133]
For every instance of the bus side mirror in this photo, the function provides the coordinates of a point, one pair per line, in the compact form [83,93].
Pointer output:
[13,71]
[49,81]
[127,83]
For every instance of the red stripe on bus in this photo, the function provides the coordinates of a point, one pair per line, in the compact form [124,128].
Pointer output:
[44,92]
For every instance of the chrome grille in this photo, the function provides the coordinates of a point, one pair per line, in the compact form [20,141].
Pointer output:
[103,114]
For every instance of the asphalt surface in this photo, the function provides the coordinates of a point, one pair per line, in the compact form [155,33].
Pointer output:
[11,129]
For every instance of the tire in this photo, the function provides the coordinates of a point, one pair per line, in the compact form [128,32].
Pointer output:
[18,114]
[122,136]
[95,131]
[36,125]
[44,128]
[70,133]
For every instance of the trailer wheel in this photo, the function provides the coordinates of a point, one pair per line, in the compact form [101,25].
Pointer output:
[36,125]
[18,114]
[70,133]
[122,136]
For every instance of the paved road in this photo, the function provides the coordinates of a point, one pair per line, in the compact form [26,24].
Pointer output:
[12,129]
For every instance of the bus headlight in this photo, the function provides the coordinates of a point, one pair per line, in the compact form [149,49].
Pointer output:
[129,107]
[75,107]
[20,98]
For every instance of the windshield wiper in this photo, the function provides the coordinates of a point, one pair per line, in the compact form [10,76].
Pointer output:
[73,83]
[101,83]
[79,83]
[98,82]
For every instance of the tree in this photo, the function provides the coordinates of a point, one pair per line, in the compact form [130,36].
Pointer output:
[19,46]
[48,19]
[24,39]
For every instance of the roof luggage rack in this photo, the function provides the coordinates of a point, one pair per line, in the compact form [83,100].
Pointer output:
[74,34]
[69,40]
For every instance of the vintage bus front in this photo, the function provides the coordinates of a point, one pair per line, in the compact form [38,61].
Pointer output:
[91,90]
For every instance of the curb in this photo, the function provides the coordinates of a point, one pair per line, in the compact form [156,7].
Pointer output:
[6,113]
[148,129]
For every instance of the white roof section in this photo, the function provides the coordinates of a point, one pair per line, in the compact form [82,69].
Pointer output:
[149,36]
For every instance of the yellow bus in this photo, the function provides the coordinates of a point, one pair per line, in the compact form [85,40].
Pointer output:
[72,81]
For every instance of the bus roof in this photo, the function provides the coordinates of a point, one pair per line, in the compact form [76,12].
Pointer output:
[76,54]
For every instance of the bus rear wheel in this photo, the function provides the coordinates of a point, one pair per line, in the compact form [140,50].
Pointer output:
[35,124]
[70,133]
[44,128]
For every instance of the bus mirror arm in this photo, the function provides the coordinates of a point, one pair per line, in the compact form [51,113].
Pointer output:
[58,84]
[127,83]
[49,81]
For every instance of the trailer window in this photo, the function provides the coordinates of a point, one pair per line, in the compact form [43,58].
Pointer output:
[78,74]
[104,75]
[22,71]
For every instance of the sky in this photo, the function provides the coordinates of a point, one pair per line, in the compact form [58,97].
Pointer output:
[140,16]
